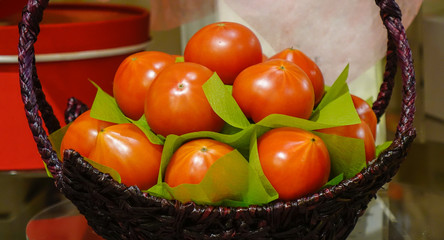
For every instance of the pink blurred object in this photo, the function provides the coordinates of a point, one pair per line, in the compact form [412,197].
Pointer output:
[332,33]
[168,14]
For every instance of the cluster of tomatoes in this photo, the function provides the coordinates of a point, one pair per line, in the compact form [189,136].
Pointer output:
[169,94]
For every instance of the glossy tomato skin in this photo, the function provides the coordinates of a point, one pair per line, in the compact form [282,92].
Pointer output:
[176,102]
[360,131]
[133,78]
[274,86]
[191,161]
[126,149]
[295,161]
[366,113]
[308,66]
[82,134]
[224,47]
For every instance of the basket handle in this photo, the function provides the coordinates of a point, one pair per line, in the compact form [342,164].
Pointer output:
[398,51]
[31,90]
[34,100]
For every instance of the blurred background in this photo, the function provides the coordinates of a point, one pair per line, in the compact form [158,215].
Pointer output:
[413,200]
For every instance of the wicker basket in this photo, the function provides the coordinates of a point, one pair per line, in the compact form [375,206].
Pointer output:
[116,211]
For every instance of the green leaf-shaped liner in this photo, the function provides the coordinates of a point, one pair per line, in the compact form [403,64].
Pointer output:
[223,103]
[56,138]
[334,181]
[143,125]
[382,147]
[256,164]
[347,155]
[230,181]
[180,59]
[336,107]
[105,108]
[105,169]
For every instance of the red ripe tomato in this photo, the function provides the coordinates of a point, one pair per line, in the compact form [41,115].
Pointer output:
[308,66]
[274,86]
[122,147]
[264,57]
[82,134]
[126,149]
[366,113]
[224,47]
[133,78]
[295,161]
[191,161]
[176,102]
[360,131]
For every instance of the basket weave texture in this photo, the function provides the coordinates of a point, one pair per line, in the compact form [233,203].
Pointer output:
[116,211]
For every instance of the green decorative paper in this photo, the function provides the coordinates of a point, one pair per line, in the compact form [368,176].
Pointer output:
[347,155]
[105,169]
[256,164]
[56,139]
[223,103]
[180,59]
[338,88]
[380,148]
[230,181]
[105,108]
[143,125]
[334,181]
[336,107]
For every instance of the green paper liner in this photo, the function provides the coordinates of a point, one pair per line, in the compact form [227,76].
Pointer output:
[230,181]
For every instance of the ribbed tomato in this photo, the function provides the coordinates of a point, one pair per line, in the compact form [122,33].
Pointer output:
[224,47]
[133,78]
[366,113]
[308,66]
[176,102]
[295,161]
[191,161]
[126,149]
[360,131]
[122,147]
[82,134]
[274,86]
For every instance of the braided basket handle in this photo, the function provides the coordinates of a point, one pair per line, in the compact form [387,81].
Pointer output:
[31,90]
[398,51]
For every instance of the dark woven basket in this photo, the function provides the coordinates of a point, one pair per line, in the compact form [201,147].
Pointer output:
[116,211]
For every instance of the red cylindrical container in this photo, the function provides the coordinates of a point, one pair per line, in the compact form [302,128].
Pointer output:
[78,43]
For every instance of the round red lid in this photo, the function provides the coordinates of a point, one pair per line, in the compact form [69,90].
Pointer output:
[71,27]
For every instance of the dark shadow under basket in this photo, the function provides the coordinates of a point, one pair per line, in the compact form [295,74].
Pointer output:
[116,211]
